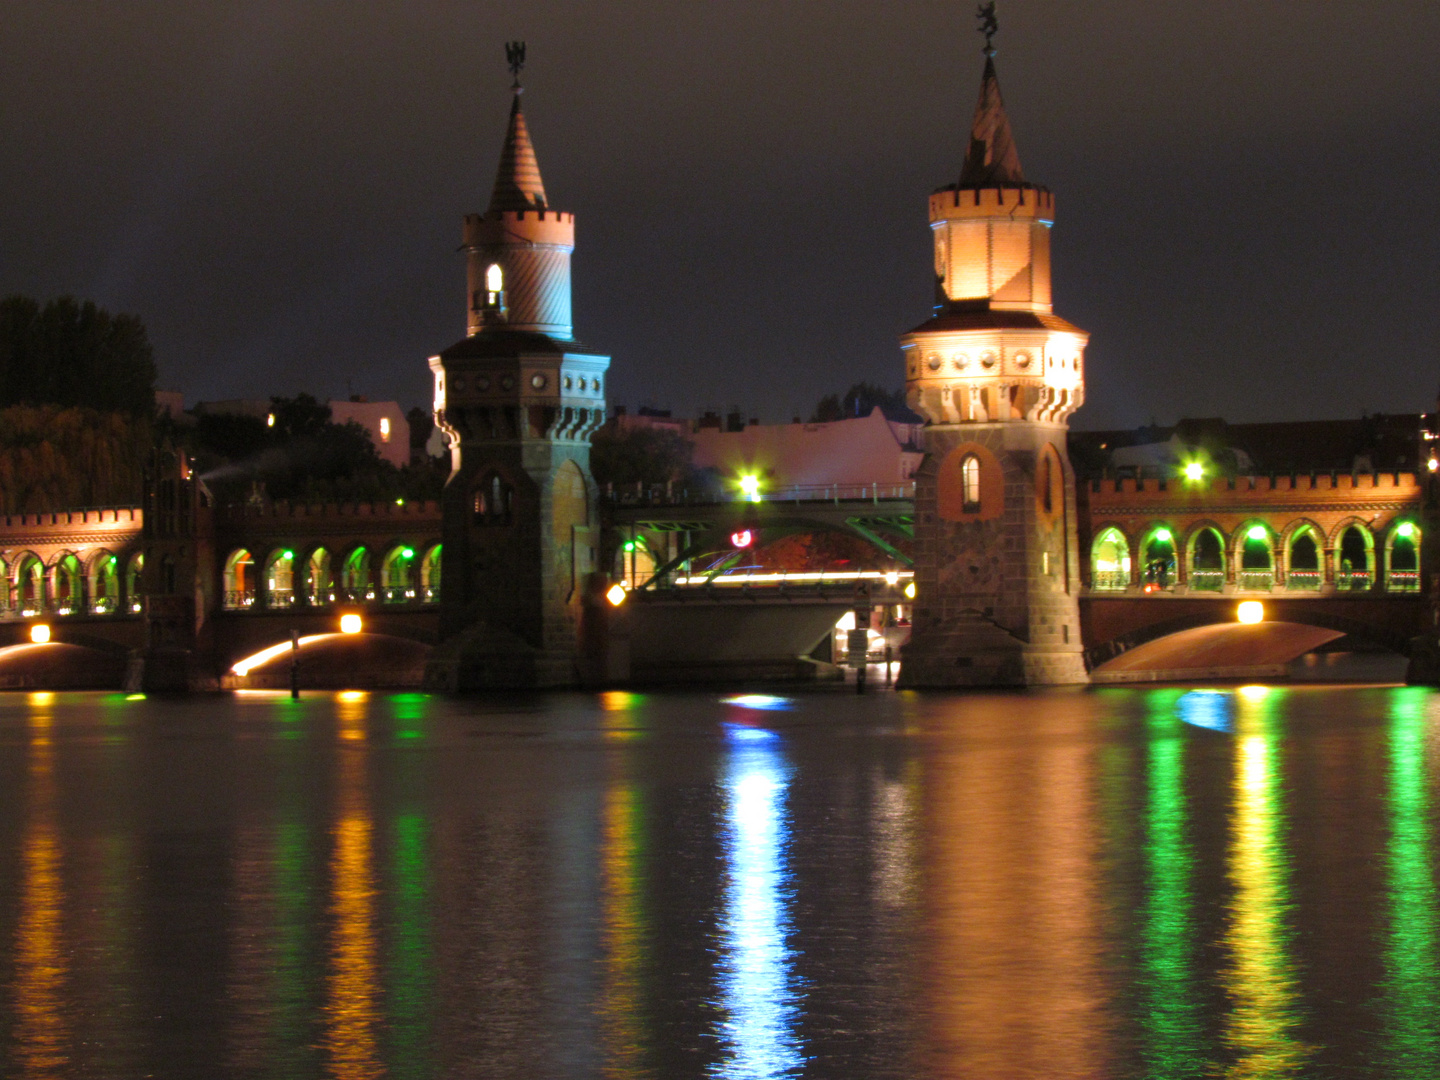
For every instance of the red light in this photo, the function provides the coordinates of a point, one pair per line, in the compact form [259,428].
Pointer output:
[743,538]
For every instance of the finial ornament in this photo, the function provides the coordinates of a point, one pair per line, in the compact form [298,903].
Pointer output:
[515,57]
[988,26]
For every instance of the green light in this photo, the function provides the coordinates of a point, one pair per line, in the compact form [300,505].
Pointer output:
[408,553]
[629,545]
[1407,528]
[1194,471]
[287,554]
[1256,532]
[750,487]
[1163,535]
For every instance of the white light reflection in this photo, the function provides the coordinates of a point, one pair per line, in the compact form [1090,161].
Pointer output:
[1208,709]
[757,987]
[758,701]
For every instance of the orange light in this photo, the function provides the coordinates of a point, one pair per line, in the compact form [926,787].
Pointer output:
[351,623]
[616,594]
[1251,611]
[40,633]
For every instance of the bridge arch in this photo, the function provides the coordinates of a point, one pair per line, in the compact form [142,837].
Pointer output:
[29,571]
[1354,552]
[1252,552]
[134,567]
[239,580]
[356,575]
[398,573]
[430,574]
[1303,546]
[279,578]
[1402,556]
[313,577]
[102,573]
[1158,564]
[67,583]
[1205,563]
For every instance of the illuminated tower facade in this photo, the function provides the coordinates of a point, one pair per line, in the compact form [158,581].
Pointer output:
[996,374]
[518,399]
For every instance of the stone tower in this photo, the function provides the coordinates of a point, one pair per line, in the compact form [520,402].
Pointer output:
[996,374]
[518,399]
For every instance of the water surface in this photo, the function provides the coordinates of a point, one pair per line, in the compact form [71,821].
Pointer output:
[1110,883]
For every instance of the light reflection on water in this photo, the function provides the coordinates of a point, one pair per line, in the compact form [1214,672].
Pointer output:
[759,999]
[1127,883]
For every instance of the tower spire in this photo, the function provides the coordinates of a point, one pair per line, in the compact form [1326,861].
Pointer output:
[991,159]
[517,183]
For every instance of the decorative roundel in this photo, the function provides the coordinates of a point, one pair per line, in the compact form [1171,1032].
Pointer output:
[913,366]
[1022,359]
[482,384]
[537,381]
[961,361]
[932,361]
[595,385]
[582,383]
[569,382]
[987,358]
[458,384]
[507,382]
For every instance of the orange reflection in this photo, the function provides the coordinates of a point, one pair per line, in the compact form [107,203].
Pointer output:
[1015,984]
[352,1015]
[40,970]
[620,996]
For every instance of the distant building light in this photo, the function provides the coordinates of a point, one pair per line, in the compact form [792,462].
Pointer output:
[616,594]
[384,429]
[1251,611]
[1432,464]
[40,633]
[270,420]
[351,623]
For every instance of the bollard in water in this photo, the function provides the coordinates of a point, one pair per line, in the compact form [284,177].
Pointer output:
[294,664]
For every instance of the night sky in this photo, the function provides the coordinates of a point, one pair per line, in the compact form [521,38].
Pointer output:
[1246,191]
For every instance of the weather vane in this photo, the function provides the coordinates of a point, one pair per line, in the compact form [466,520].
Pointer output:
[988,26]
[515,57]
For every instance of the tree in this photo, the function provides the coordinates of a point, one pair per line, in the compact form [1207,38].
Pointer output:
[640,454]
[74,355]
[861,400]
[52,458]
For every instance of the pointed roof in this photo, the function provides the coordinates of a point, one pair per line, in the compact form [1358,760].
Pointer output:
[991,160]
[517,183]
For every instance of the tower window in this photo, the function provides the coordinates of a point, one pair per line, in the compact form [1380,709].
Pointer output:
[1047,498]
[491,501]
[970,483]
[494,285]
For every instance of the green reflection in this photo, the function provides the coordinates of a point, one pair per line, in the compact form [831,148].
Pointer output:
[409,977]
[1261,1030]
[1172,1019]
[1411,1003]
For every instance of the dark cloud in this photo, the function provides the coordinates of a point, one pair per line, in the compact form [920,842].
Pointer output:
[1245,218]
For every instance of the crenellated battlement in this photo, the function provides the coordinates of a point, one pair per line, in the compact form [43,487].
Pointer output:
[1278,490]
[70,519]
[952,203]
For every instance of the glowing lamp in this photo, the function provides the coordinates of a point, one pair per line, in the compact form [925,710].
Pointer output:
[1163,535]
[408,553]
[1407,528]
[910,591]
[1256,532]
[288,555]
[742,538]
[1194,471]
[616,594]
[1250,612]
[351,623]
[891,578]
[40,633]
[750,487]
[270,420]
[1432,464]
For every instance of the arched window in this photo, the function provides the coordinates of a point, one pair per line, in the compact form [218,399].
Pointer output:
[66,586]
[29,585]
[492,501]
[319,589]
[1159,559]
[280,580]
[1402,571]
[1257,568]
[134,593]
[494,281]
[1304,572]
[239,580]
[355,581]
[970,484]
[105,584]
[1353,569]
[1207,561]
[430,576]
[168,580]
[4,587]
[1047,482]
[1110,561]
[397,575]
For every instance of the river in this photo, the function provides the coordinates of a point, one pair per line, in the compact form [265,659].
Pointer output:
[1110,883]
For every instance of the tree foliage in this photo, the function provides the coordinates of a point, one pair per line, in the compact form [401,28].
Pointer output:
[53,458]
[627,455]
[74,354]
[861,400]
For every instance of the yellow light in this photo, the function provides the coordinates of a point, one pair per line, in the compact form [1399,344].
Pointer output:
[40,633]
[1194,471]
[616,594]
[384,429]
[1432,464]
[270,420]
[1254,693]
[891,578]
[350,624]
[264,656]
[910,591]
[750,487]
[494,278]
[1251,611]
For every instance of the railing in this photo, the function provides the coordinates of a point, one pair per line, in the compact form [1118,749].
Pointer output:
[661,495]
[1403,581]
[1353,580]
[1255,580]
[1304,580]
[1207,580]
[239,599]
[1110,580]
[280,598]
